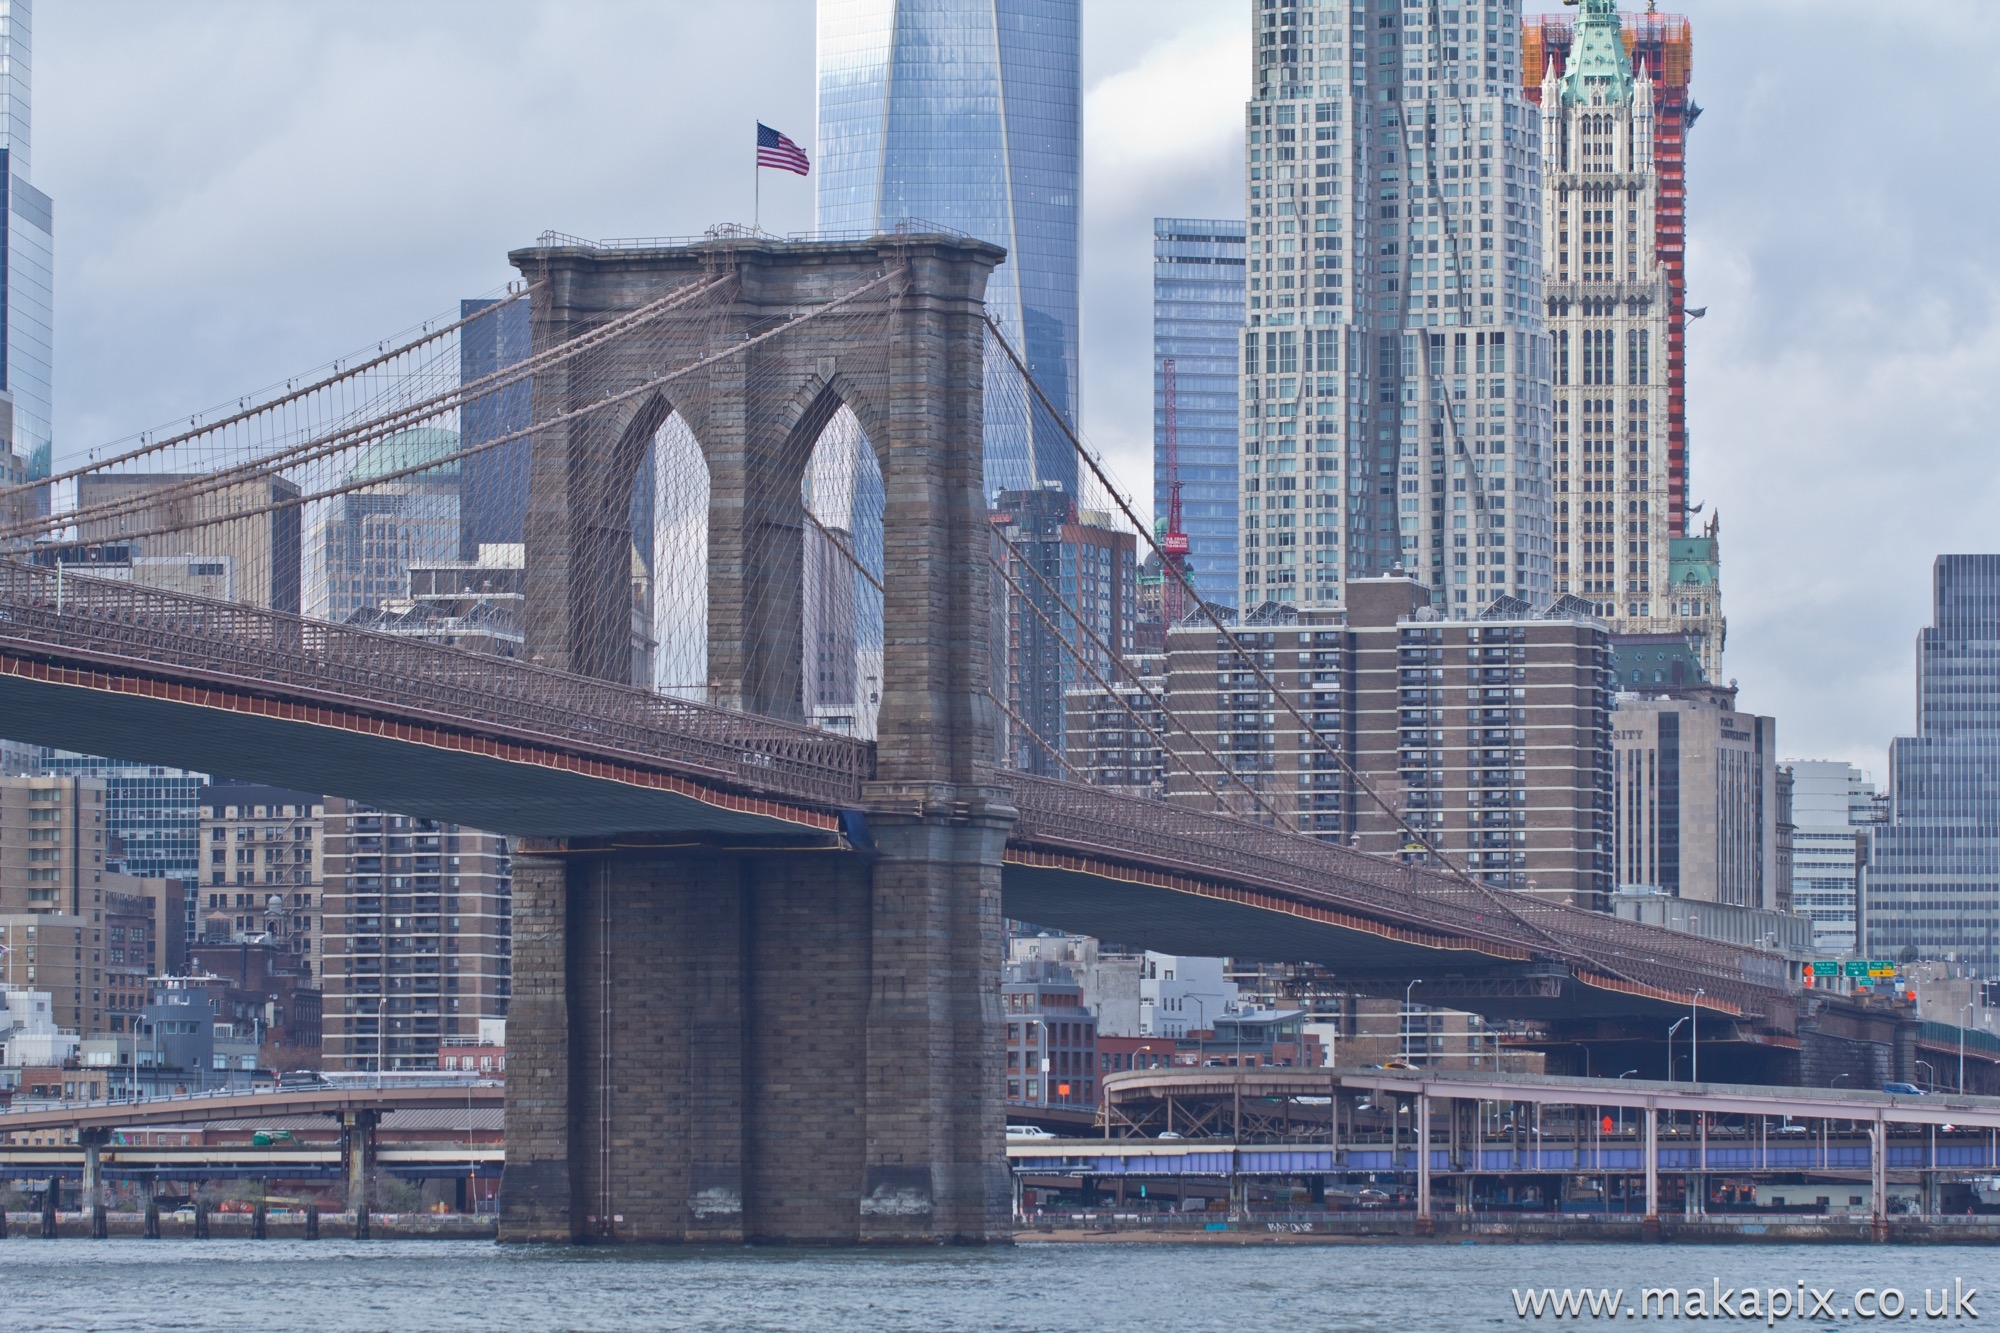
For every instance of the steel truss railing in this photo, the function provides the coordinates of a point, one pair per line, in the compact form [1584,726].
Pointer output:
[124,628]
[1143,833]
[272,654]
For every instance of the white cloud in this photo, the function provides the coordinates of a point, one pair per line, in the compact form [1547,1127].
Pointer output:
[245,190]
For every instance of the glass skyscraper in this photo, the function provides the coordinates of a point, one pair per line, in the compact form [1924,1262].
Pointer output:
[1934,883]
[966,113]
[152,816]
[28,246]
[1197,323]
[1396,367]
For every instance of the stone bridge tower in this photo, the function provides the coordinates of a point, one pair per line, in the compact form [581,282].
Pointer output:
[769,1042]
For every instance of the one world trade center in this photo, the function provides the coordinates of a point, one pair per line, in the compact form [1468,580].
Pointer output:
[966,114]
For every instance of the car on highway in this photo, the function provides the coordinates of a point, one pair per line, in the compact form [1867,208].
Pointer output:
[1028,1132]
[1903,1089]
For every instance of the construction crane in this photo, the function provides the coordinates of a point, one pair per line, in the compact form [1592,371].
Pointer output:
[1175,542]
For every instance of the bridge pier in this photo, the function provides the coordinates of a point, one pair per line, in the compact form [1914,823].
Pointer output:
[357,1146]
[92,1199]
[790,1045]
[771,1042]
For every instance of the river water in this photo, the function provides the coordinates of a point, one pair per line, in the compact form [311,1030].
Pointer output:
[418,1286]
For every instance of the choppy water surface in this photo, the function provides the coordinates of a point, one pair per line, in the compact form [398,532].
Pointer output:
[417,1286]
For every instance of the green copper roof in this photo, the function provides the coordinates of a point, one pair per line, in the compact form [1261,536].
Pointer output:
[1598,64]
[407,448]
[1693,561]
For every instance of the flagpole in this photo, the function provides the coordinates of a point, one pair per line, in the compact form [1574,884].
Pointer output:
[757,199]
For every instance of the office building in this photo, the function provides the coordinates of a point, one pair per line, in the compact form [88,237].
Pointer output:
[1616,107]
[55,952]
[1697,800]
[1933,890]
[371,537]
[1198,326]
[27,243]
[1491,737]
[493,484]
[417,936]
[1833,811]
[1077,578]
[151,823]
[1180,995]
[1109,979]
[254,559]
[262,858]
[1396,364]
[967,116]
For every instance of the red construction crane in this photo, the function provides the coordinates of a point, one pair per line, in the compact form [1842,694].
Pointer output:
[1175,543]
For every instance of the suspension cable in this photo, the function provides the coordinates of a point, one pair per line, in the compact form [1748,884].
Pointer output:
[1504,901]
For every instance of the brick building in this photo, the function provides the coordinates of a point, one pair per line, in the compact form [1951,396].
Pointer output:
[418,936]
[1051,1038]
[1490,736]
[262,857]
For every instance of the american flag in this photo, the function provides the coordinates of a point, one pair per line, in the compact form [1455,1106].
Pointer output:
[776,150]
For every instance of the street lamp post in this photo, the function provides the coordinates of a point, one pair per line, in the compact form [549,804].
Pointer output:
[1925,1064]
[1694,1037]
[1963,1011]
[1670,1047]
[1408,1018]
[1621,1110]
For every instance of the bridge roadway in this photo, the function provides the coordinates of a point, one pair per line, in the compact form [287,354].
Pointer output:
[109,668]
[358,1105]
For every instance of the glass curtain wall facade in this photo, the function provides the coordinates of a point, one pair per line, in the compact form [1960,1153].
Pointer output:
[1396,364]
[27,242]
[1933,889]
[1197,322]
[966,114]
[1832,808]
[493,486]
[152,816]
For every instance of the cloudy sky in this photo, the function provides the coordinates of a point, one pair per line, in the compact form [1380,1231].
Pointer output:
[245,190]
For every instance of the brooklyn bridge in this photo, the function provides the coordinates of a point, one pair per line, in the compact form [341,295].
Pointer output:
[756,960]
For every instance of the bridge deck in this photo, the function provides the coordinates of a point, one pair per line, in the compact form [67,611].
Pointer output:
[504,745]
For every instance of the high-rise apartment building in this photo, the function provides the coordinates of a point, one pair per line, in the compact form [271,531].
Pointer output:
[1833,812]
[1111,736]
[417,929]
[1934,886]
[27,247]
[52,845]
[1614,92]
[1198,326]
[968,115]
[262,857]
[1077,576]
[1395,408]
[1490,736]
